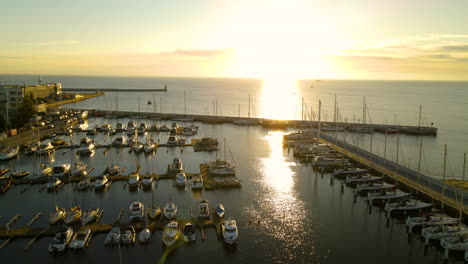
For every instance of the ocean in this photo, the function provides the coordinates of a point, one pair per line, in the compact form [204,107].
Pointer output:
[286,211]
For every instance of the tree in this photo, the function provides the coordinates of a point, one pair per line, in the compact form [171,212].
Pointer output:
[27,110]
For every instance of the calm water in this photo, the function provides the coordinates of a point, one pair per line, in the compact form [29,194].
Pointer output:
[304,218]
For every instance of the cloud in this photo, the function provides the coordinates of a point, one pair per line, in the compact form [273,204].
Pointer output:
[63,42]
[454,48]
[199,53]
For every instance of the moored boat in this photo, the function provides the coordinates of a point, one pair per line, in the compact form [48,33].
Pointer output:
[176,166]
[100,183]
[203,209]
[171,234]
[90,215]
[170,210]
[189,232]
[197,182]
[180,179]
[230,232]
[57,216]
[73,216]
[136,212]
[220,210]
[81,238]
[61,240]
[113,237]
[144,236]
[407,207]
[128,237]
[53,184]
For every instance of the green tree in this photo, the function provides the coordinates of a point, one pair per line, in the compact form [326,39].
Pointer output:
[27,110]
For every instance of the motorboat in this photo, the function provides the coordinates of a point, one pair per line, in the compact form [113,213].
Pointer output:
[164,128]
[131,128]
[197,182]
[437,232]
[57,216]
[119,142]
[79,169]
[45,170]
[221,167]
[113,170]
[91,132]
[53,184]
[220,210]
[170,210]
[128,237]
[206,144]
[372,186]
[407,207]
[86,147]
[113,237]
[133,180]
[141,130]
[144,236]
[137,212]
[45,148]
[203,209]
[430,220]
[84,184]
[9,153]
[58,142]
[147,182]
[154,213]
[90,215]
[119,128]
[230,232]
[189,131]
[101,182]
[171,234]
[138,147]
[348,171]
[176,166]
[73,216]
[353,180]
[61,170]
[180,179]
[173,132]
[381,197]
[61,240]
[104,128]
[81,238]
[172,141]
[31,149]
[456,243]
[19,174]
[150,145]
[189,232]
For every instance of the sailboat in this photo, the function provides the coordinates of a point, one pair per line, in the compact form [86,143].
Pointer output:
[222,167]
[246,122]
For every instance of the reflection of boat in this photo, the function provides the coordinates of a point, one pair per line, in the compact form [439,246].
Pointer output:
[90,215]
[170,210]
[176,165]
[180,179]
[119,142]
[80,239]
[113,237]
[128,237]
[189,232]
[61,240]
[57,216]
[73,216]
[230,233]
[171,234]
[203,209]
[220,210]
[136,212]
[53,183]
[197,182]
[100,182]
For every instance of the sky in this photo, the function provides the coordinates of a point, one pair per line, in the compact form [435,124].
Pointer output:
[296,39]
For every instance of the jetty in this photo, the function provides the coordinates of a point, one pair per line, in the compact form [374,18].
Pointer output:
[98,90]
[436,190]
[269,123]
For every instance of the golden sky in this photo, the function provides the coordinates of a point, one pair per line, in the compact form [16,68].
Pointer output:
[296,39]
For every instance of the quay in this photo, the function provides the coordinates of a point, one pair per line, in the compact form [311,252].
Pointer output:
[436,190]
[112,90]
[270,123]
[158,224]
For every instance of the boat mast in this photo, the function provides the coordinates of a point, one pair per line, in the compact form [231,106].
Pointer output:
[443,175]
[462,202]
[334,115]
[249,107]
[420,112]
[364,110]
[185,105]
[318,132]
[420,154]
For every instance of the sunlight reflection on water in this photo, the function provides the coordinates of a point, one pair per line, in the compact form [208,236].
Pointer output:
[283,215]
